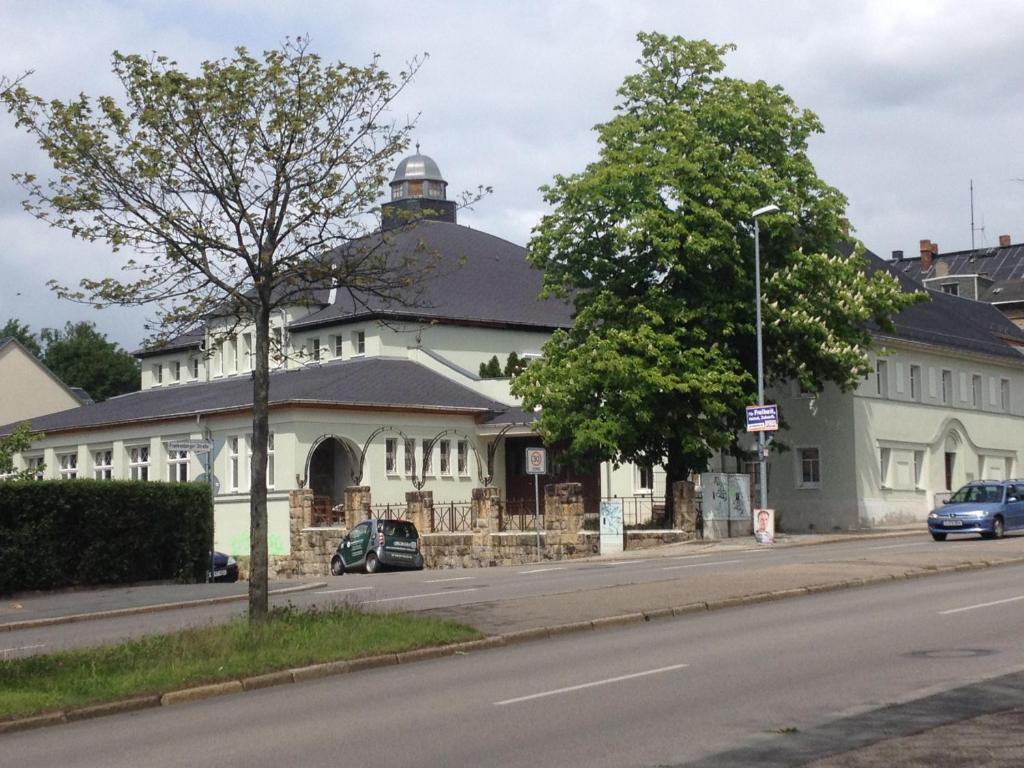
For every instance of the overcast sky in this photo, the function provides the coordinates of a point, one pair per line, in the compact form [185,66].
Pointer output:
[917,99]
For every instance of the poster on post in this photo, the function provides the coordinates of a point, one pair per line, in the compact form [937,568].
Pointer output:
[764,526]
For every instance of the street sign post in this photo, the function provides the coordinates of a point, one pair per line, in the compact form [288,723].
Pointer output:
[536,465]
[762,418]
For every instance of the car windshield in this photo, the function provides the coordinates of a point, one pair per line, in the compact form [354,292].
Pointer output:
[399,529]
[983,494]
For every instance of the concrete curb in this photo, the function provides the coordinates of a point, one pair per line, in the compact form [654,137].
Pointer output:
[154,608]
[333,668]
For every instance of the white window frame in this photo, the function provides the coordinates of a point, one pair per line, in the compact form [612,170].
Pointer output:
[176,371]
[445,452]
[247,350]
[178,466]
[234,463]
[410,456]
[277,352]
[138,461]
[158,373]
[339,345]
[428,458]
[36,466]
[814,462]
[882,378]
[915,383]
[885,460]
[314,348]
[976,391]
[1004,395]
[946,393]
[391,456]
[271,464]
[918,468]
[67,465]
[103,463]
[642,488]
[462,462]
[195,368]
[359,343]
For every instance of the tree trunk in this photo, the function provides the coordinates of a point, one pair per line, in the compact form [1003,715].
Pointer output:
[258,557]
[676,469]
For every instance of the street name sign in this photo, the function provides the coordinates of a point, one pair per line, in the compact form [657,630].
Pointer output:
[196,446]
[762,418]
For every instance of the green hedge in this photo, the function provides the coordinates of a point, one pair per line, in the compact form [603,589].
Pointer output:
[63,533]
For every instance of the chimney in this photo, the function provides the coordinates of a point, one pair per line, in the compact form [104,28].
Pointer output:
[926,255]
[1004,241]
[897,255]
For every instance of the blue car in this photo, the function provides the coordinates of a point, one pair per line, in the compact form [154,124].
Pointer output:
[986,507]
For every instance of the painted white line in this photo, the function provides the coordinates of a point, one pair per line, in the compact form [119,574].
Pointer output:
[686,557]
[898,546]
[336,591]
[699,565]
[580,687]
[623,562]
[6,651]
[457,578]
[541,570]
[416,597]
[981,605]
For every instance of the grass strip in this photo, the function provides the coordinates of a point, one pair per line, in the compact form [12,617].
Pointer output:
[210,654]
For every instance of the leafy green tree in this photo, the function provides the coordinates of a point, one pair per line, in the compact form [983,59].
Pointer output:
[240,189]
[653,242]
[491,369]
[16,442]
[23,334]
[81,356]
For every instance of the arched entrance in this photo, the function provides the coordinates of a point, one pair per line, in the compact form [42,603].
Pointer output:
[331,467]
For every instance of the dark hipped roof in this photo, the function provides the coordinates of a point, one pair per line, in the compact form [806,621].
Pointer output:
[479,279]
[952,321]
[373,382]
[998,263]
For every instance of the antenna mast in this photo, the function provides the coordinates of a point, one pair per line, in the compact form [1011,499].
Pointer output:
[972,214]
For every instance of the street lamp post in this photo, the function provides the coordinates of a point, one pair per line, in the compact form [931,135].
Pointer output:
[761,463]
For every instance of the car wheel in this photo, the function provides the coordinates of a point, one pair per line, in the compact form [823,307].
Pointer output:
[337,566]
[939,536]
[998,528]
[372,566]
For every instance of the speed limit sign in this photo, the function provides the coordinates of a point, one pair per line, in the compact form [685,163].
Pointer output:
[536,461]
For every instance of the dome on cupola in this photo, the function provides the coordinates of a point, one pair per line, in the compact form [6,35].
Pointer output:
[418,176]
[418,191]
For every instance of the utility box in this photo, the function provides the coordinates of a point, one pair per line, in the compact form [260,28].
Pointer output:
[725,505]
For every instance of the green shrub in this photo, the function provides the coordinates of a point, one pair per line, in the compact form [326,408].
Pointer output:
[62,533]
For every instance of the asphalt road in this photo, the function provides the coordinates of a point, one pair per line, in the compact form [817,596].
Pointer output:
[597,587]
[722,688]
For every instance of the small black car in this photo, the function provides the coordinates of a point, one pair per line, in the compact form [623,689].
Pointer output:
[225,568]
[376,543]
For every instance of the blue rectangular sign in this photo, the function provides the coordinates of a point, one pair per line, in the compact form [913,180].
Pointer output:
[762,418]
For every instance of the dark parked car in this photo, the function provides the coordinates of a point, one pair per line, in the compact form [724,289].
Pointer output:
[225,568]
[986,507]
[376,543]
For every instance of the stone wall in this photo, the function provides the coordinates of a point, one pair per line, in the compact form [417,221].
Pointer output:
[563,537]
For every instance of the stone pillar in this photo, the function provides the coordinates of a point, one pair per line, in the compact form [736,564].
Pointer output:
[300,511]
[684,507]
[563,519]
[357,505]
[486,509]
[420,506]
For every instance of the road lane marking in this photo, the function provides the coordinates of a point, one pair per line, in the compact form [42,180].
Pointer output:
[428,594]
[686,557]
[336,591]
[981,605]
[580,687]
[624,562]
[6,651]
[456,578]
[699,565]
[542,570]
[897,546]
